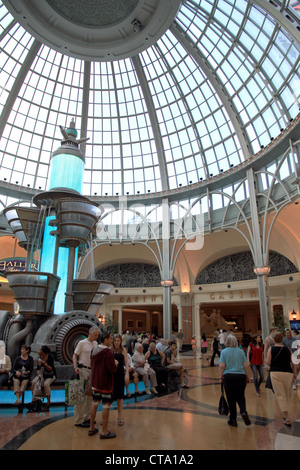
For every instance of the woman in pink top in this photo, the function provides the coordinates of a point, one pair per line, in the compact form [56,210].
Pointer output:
[256,359]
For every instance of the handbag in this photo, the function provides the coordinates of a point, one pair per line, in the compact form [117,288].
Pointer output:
[74,392]
[269,382]
[38,387]
[223,406]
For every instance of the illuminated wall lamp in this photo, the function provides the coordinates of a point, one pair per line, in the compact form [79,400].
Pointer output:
[294,315]
[262,270]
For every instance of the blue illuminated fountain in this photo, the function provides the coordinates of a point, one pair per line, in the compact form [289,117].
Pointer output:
[55,308]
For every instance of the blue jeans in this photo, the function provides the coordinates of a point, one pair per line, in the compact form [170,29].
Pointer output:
[258,375]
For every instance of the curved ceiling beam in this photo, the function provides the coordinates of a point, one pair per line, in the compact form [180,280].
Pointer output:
[18,84]
[188,111]
[223,95]
[287,19]
[154,123]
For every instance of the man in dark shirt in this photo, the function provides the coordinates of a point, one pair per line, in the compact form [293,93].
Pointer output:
[103,366]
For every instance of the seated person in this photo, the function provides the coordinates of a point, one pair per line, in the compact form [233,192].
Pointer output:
[46,375]
[141,366]
[162,344]
[132,376]
[156,361]
[22,370]
[173,364]
[5,365]
[145,344]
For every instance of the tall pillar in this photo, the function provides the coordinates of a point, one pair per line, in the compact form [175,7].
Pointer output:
[196,320]
[179,309]
[148,321]
[167,309]
[260,256]
[120,315]
[264,301]
[166,274]
[187,317]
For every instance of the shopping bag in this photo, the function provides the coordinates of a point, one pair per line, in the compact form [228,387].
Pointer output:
[223,406]
[74,392]
[38,387]
[269,383]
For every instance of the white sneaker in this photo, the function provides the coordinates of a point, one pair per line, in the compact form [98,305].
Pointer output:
[153,390]
[147,391]
[294,387]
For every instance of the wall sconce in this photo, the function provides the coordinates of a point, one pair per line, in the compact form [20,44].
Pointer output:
[262,270]
[167,283]
[294,315]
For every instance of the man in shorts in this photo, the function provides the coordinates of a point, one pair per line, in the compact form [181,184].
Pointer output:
[103,366]
[82,367]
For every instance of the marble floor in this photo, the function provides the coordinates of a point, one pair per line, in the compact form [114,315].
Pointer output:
[184,420]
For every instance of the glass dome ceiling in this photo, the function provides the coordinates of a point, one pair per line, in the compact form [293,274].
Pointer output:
[218,83]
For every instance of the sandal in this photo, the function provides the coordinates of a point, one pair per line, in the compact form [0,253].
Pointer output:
[287,422]
[120,422]
[93,431]
[128,395]
[109,435]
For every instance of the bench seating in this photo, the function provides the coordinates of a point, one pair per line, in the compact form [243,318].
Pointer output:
[59,384]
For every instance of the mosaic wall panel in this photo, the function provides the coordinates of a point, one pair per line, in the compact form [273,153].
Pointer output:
[131,275]
[239,267]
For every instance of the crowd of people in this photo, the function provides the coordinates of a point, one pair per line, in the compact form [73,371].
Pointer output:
[19,374]
[108,367]
[112,364]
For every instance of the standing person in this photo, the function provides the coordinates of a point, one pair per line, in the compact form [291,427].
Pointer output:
[82,367]
[235,374]
[120,354]
[180,340]
[194,346]
[204,346]
[104,366]
[130,343]
[5,365]
[255,355]
[269,341]
[222,339]
[288,339]
[296,347]
[279,358]
[215,350]
[22,370]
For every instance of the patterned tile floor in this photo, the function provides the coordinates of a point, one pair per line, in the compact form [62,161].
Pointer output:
[184,420]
